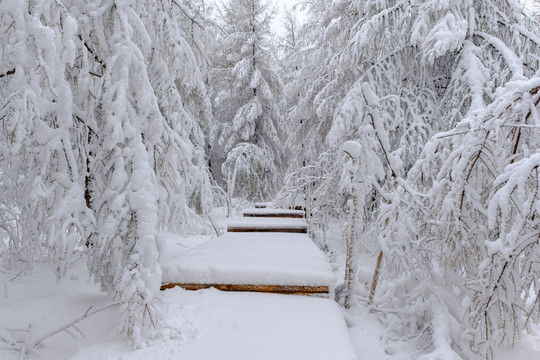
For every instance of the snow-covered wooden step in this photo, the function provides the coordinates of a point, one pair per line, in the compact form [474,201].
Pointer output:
[279,213]
[266,262]
[262,205]
[269,224]
[275,289]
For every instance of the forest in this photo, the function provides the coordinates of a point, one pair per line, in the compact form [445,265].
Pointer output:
[407,129]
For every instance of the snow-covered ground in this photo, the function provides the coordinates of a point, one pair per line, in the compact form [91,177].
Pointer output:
[199,325]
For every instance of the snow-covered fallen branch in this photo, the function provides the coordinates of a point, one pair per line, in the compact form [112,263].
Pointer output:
[14,341]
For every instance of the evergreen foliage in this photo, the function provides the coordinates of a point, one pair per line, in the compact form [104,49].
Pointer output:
[247,92]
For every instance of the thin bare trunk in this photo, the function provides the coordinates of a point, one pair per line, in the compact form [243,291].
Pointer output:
[375,278]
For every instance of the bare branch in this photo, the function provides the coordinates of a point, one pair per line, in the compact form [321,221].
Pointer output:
[65,327]
[9,72]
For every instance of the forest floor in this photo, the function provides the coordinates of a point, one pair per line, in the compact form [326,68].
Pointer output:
[199,325]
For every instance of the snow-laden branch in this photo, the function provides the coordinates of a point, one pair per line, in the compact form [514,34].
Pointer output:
[31,343]
[514,63]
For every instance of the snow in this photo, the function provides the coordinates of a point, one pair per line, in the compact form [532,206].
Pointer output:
[249,259]
[365,332]
[267,223]
[353,148]
[200,325]
[38,301]
[253,326]
[528,349]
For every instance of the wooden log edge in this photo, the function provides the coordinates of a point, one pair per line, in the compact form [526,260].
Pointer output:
[301,230]
[276,289]
[275,215]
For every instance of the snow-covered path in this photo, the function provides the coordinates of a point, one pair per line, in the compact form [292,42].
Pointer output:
[205,324]
[198,325]
[246,326]
[275,258]
[254,325]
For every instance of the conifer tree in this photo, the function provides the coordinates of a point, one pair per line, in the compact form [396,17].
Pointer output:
[247,94]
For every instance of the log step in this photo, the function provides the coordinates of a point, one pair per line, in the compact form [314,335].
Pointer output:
[261,205]
[274,213]
[275,289]
[297,230]
[269,224]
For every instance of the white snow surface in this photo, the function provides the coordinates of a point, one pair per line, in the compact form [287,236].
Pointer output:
[198,325]
[250,326]
[353,148]
[249,259]
[267,223]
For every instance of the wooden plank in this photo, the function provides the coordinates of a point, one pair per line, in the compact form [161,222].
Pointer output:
[274,215]
[300,230]
[277,289]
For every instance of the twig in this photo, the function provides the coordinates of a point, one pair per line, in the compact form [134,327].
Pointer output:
[9,72]
[88,313]
[214,225]
[96,58]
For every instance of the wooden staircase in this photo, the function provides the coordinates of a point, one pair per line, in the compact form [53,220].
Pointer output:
[270,220]
[262,219]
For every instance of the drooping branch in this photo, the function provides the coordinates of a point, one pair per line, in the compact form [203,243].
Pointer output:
[96,57]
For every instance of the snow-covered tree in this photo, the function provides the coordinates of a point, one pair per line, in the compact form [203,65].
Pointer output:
[248,169]
[315,90]
[293,48]
[101,143]
[247,89]
[124,187]
[177,71]
[147,165]
[481,214]
[454,82]
[42,216]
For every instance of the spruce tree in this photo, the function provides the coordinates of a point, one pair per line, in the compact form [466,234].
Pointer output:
[247,95]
